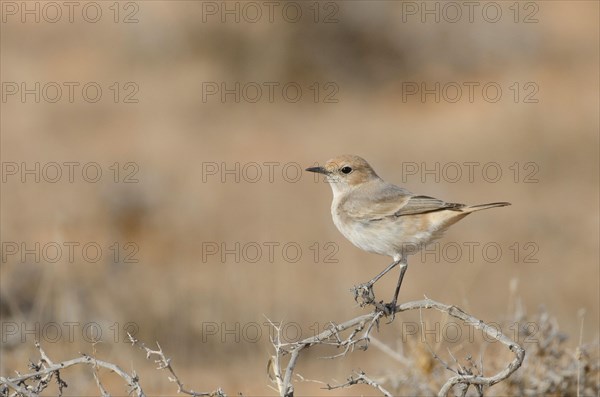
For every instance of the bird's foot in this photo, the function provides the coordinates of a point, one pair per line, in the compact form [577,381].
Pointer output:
[388,309]
[363,294]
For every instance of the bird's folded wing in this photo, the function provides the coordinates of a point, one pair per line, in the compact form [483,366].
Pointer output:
[424,204]
[395,204]
[375,204]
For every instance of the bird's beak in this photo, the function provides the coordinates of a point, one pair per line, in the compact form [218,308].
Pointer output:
[319,170]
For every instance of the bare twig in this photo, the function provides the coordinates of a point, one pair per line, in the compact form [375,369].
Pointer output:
[16,387]
[103,391]
[49,370]
[361,377]
[361,327]
[494,333]
[46,369]
[165,363]
[329,336]
[431,351]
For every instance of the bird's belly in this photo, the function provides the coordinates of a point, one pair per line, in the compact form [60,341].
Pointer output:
[391,237]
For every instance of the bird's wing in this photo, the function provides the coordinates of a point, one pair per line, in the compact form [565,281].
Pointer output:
[393,201]
[377,203]
[423,204]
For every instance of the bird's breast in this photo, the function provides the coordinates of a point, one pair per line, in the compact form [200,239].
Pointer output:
[362,233]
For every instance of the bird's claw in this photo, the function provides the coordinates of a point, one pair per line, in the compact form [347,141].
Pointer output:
[388,309]
[363,294]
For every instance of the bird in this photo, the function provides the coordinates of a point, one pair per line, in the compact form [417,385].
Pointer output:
[382,218]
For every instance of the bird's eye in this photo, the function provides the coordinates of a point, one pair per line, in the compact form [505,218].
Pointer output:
[346,170]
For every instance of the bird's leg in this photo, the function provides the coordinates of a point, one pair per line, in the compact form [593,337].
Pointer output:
[383,273]
[390,308]
[365,291]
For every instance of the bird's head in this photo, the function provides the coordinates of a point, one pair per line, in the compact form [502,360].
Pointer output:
[346,172]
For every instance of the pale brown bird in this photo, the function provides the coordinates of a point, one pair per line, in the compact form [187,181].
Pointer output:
[379,217]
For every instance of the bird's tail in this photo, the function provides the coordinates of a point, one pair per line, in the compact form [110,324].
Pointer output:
[473,208]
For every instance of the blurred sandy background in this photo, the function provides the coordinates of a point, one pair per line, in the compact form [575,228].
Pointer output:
[369,53]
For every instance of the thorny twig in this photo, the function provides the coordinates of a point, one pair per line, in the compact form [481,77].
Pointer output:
[46,369]
[33,383]
[164,362]
[360,377]
[360,329]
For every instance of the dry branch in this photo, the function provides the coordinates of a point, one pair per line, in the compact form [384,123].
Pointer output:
[33,383]
[361,377]
[361,328]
